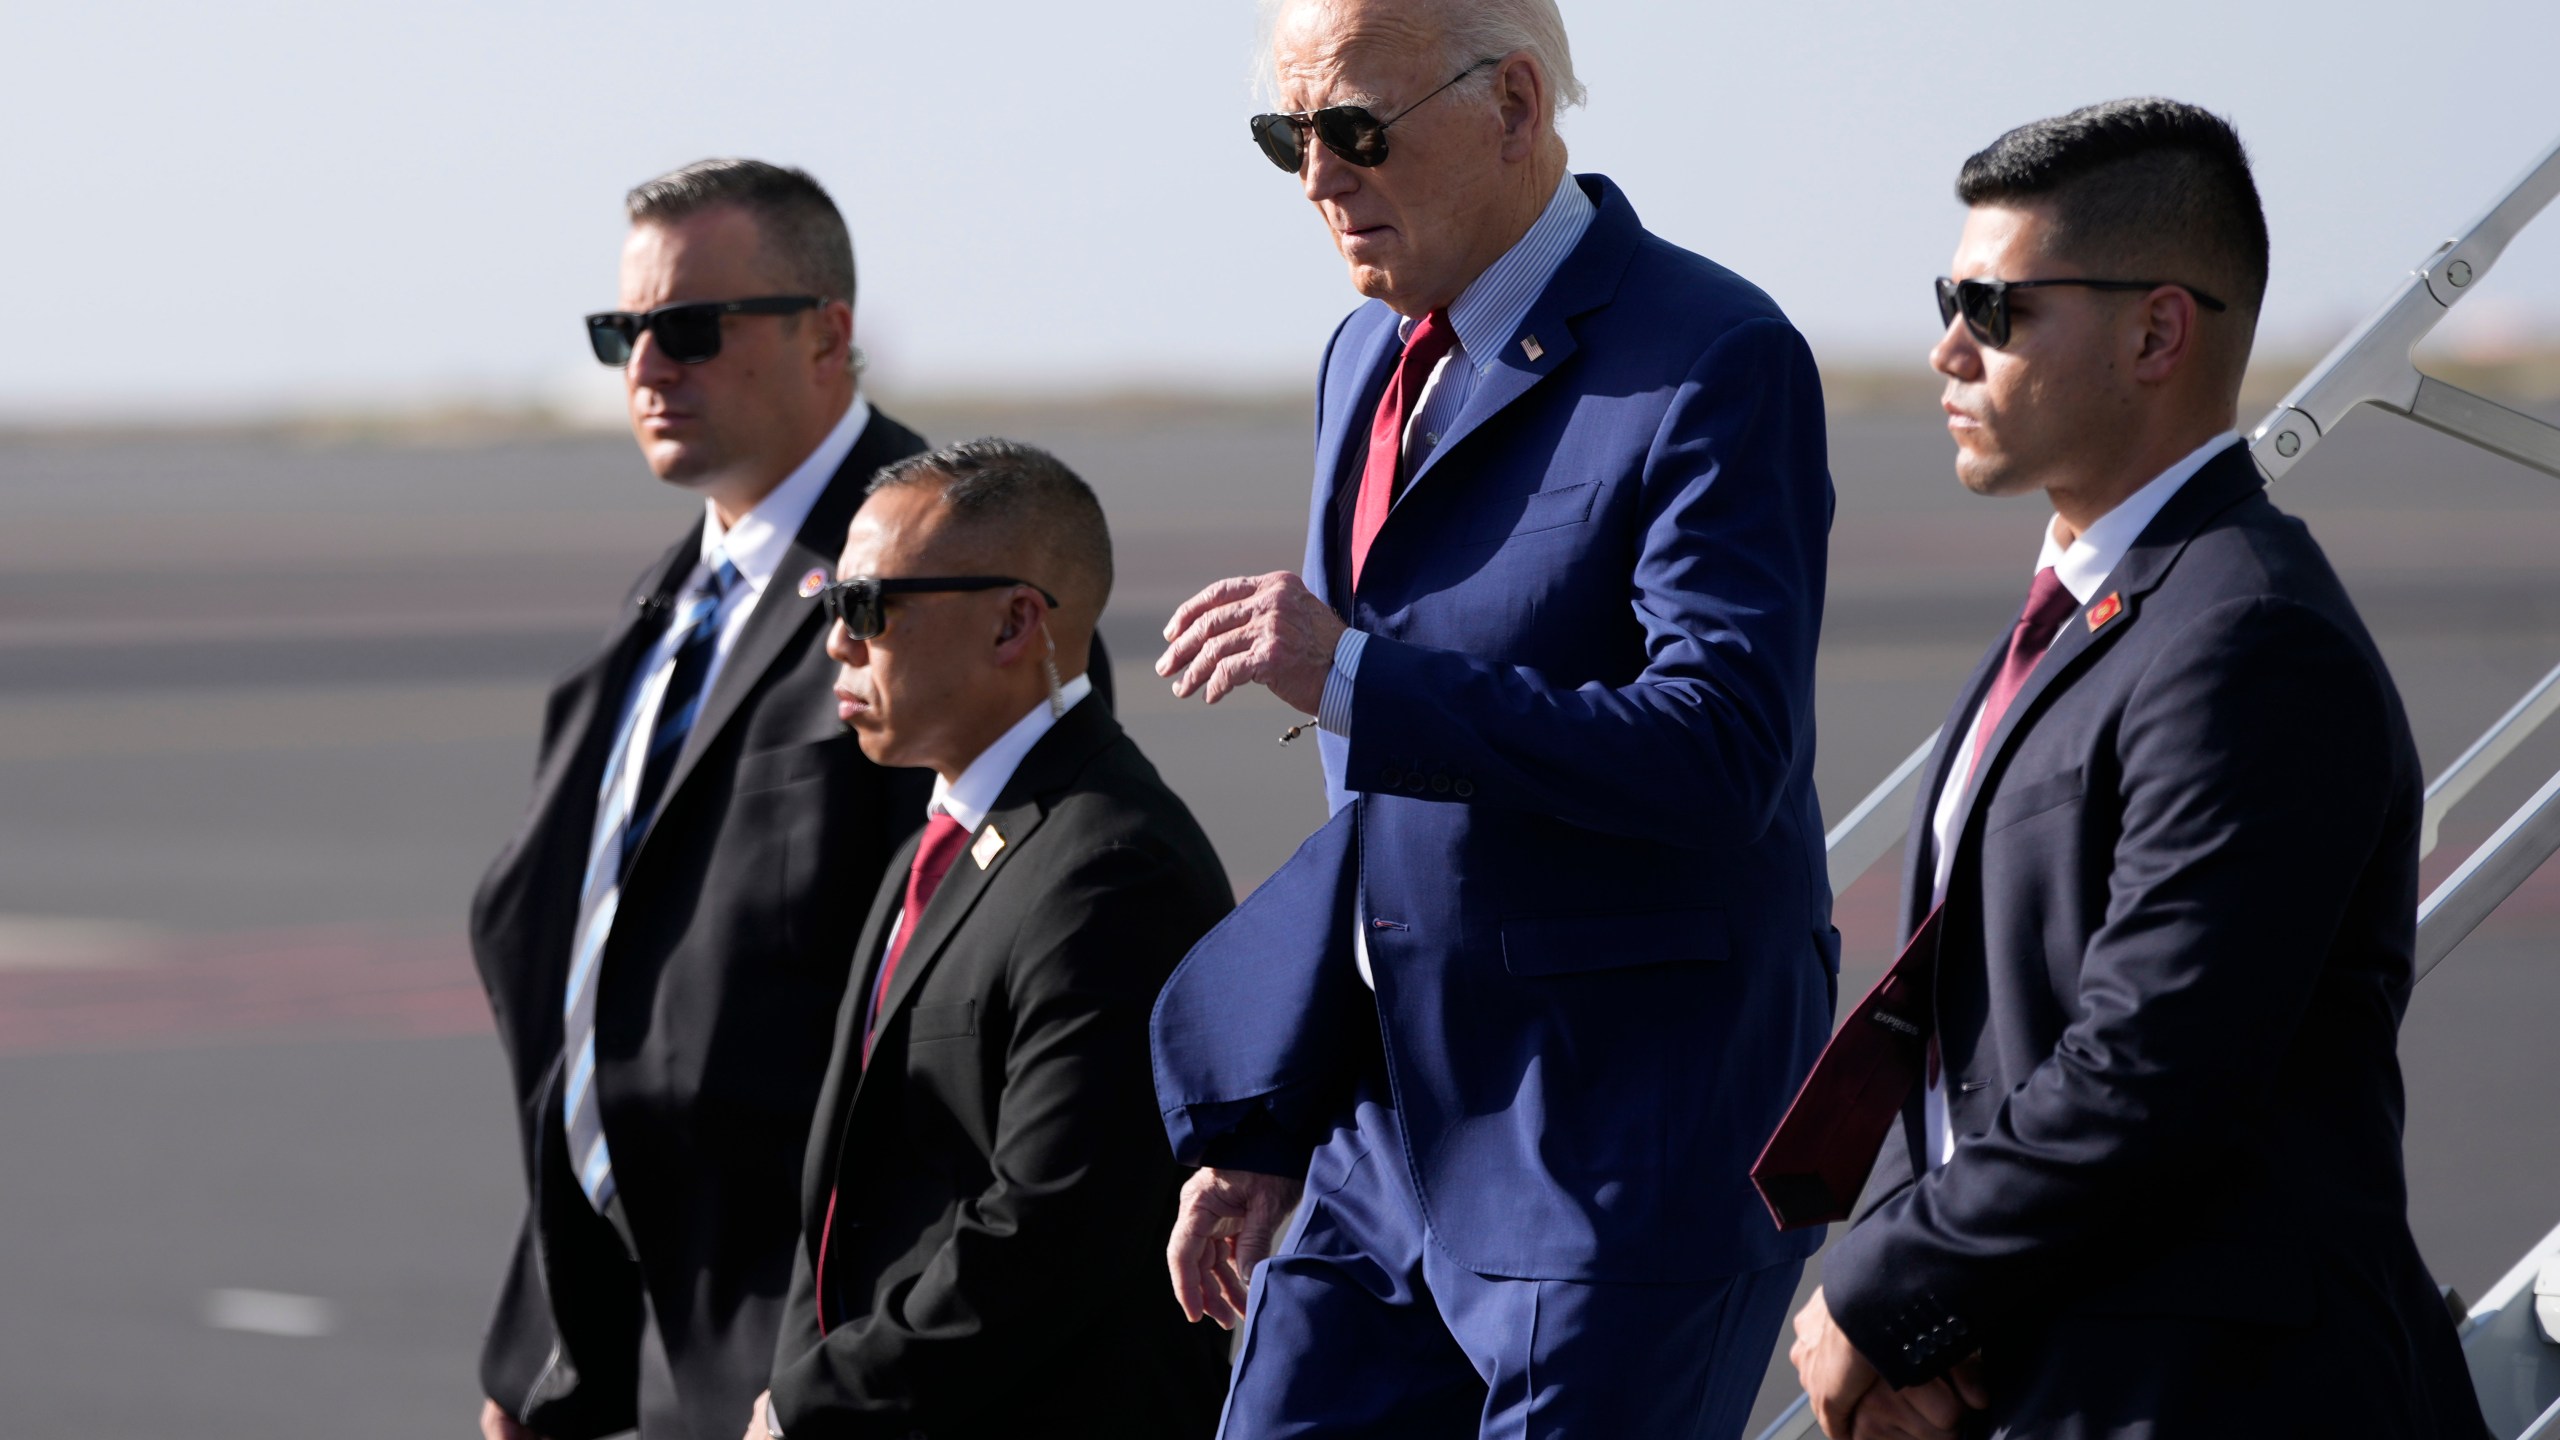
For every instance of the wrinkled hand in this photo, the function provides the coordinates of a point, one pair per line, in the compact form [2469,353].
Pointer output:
[1265,629]
[758,1425]
[1227,1223]
[497,1424]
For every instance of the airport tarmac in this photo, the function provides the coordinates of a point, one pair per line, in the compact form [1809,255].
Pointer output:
[267,706]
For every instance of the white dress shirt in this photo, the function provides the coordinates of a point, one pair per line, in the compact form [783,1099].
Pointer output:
[968,799]
[2083,567]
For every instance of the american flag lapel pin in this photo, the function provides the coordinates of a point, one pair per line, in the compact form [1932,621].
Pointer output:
[2107,609]
[1530,347]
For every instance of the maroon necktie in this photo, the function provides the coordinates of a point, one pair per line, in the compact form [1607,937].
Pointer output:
[943,837]
[1423,350]
[1812,1169]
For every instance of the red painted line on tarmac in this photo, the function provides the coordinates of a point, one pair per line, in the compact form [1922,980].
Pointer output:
[320,982]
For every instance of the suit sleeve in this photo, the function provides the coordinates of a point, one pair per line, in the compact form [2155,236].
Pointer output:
[2258,760]
[1696,749]
[1082,1182]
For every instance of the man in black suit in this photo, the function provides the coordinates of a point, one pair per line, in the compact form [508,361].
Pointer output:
[2151,1183]
[987,1183]
[665,937]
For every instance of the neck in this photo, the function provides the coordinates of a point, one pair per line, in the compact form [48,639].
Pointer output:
[1524,196]
[991,726]
[742,490]
[2084,497]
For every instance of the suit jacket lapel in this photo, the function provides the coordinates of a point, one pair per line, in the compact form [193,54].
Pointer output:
[1587,280]
[1052,765]
[844,1063]
[2224,481]
[1369,363]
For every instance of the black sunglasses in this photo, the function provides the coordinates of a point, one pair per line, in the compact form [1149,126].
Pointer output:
[1350,131]
[690,334]
[1985,303]
[856,603]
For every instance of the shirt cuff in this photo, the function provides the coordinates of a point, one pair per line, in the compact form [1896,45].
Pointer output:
[1333,712]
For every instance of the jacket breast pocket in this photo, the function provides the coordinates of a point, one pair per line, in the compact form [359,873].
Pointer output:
[1543,945]
[956,1021]
[2017,802]
[1540,510]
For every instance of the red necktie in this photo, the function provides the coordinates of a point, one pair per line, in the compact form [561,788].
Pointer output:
[943,837]
[2048,605]
[1423,351]
[1813,1167]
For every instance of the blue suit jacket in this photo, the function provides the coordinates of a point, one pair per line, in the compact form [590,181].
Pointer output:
[2172,965]
[1576,802]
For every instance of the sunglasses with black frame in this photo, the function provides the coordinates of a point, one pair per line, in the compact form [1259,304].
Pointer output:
[1353,132]
[1985,303]
[856,603]
[689,333]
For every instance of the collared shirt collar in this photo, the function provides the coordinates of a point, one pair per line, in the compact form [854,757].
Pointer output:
[755,544]
[2084,564]
[969,798]
[1495,302]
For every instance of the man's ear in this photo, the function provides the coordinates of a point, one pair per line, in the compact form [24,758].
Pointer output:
[1020,633]
[1520,92]
[2168,340]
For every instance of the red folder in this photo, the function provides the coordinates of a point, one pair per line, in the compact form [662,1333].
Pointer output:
[1812,1169]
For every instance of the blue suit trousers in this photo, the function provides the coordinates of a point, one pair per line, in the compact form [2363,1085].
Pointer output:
[1362,1326]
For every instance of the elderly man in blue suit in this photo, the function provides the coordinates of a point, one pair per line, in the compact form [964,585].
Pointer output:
[1505,1035]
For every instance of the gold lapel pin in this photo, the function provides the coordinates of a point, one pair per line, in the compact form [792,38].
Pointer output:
[2106,610]
[1530,347]
[990,843]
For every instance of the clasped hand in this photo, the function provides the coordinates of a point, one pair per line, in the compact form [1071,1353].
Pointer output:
[1849,1400]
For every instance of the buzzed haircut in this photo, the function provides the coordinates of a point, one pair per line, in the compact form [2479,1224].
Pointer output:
[800,225]
[2137,182]
[1025,499]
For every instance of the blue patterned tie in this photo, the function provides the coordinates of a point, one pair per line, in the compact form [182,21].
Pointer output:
[635,777]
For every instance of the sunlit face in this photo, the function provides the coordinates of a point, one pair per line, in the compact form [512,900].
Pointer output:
[698,424]
[914,693]
[2023,413]
[1412,229]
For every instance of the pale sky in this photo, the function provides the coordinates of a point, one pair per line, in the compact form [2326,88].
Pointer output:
[285,206]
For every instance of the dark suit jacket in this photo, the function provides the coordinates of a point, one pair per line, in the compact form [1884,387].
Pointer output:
[995,1256]
[2176,951]
[1576,797]
[719,983]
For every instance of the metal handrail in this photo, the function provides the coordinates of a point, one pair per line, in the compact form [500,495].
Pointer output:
[2372,366]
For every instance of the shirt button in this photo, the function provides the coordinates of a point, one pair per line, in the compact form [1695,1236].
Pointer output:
[1430,437]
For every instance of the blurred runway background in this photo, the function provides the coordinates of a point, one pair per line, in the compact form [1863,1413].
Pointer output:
[267,706]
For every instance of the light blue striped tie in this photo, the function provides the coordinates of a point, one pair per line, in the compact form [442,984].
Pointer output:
[644,754]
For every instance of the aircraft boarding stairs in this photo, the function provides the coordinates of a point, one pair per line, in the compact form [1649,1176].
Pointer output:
[2512,1336]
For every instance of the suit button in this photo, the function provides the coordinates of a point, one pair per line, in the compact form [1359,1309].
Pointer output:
[1463,789]
[1414,783]
[1439,784]
[1390,777]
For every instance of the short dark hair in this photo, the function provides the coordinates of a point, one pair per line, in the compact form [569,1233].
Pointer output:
[1026,498]
[2144,181]
[801,227]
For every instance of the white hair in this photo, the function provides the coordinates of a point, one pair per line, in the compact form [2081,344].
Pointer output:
[1472,30]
